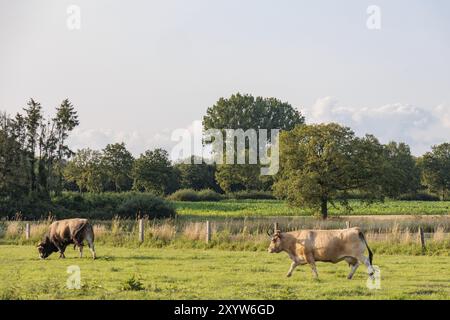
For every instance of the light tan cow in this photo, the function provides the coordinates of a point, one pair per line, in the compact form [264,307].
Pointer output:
[310,246]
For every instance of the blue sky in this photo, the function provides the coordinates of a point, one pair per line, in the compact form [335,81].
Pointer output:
[137,70]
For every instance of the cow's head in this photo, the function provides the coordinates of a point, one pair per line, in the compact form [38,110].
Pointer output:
[46,248]
[275,242]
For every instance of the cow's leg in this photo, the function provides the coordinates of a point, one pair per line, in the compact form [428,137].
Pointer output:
[364,260]
[61,249]
[92,249]
[312,262]
[80,245]
[353,270]
[314,270]
[294,265]
[89,237]
[90,242]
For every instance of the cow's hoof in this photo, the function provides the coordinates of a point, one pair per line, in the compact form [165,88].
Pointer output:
[289,275]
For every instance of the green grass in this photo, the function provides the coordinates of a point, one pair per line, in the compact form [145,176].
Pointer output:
[252,208]
[144,273]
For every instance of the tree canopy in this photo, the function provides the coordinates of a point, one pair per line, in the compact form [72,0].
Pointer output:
[247,112]
[196,175]
[401,174]
[243,111]
[118,164]
[321,164]
[153,172]
[86,171]
[436,169]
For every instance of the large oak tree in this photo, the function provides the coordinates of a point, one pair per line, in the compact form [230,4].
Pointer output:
[243,111]
[322,164]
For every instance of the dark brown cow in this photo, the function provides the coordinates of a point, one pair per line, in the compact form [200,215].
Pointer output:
[309,246]
[64,232]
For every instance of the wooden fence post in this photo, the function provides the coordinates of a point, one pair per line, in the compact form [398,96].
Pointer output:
[347,224]
[422,238]
[27,230]
[208,231]
[141,230]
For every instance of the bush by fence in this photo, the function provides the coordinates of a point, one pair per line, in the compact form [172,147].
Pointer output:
[145,205]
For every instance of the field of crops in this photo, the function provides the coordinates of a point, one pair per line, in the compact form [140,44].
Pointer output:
[268,208]
[145,273]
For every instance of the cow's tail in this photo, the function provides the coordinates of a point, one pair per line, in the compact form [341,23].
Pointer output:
[363,239]
[90,230]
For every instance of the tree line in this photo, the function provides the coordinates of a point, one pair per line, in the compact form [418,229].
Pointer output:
[319,164]
[33,150]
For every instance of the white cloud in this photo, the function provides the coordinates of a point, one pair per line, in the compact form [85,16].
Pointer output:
[443,112]
[136,141]
[419,127]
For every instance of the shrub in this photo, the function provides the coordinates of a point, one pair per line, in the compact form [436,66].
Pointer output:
[209,195]
[195,196]
[252,194]
[30,207]
[87,205]
[132,284]
[184,195]
[145,205]
[421,196]
[355,195]
[72,201]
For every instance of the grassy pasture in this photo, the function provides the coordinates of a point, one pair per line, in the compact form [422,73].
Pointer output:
[272,208]
[212,274]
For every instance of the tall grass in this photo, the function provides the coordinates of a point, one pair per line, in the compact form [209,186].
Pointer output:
[246,235]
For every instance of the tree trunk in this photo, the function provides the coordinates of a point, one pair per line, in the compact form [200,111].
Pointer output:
[324,208]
